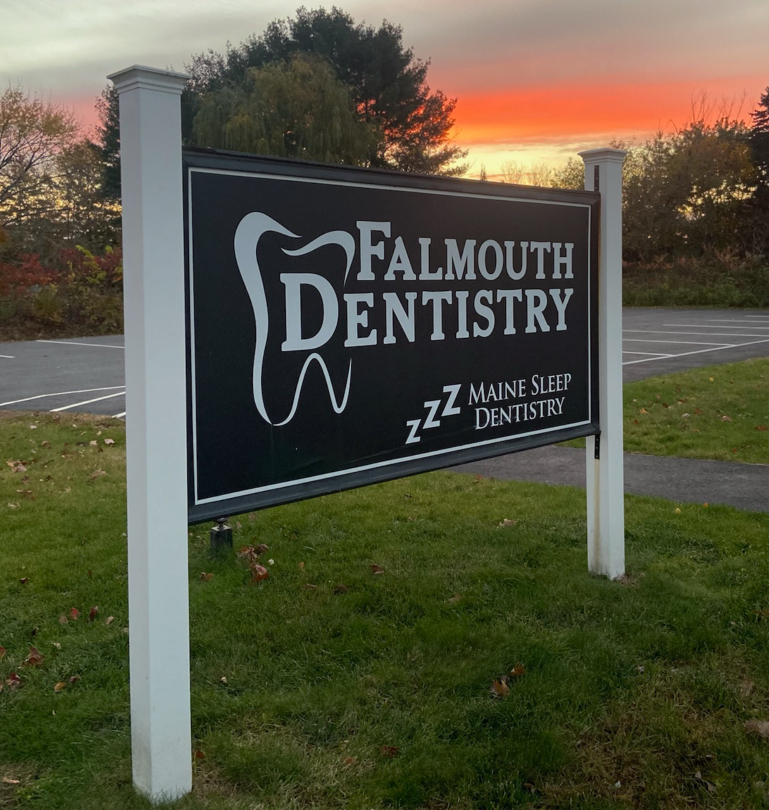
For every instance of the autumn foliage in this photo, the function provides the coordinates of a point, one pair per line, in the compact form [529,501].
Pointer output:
[76,292]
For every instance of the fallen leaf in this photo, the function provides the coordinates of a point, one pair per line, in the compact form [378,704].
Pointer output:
[643,410]
[726,418]
[261,548]
[760,727]
[74,678]
[94,443]
[59,686]
[199,754]
[204,577]
[761,427]
[8,781]
[301,566]
[92,613]
[340,589]
[108,621]
[390,751]
[108,442]
[74,614]
[677,510]
[35,658]
[45,444]
[63,619]
[2,653]
[24,580]
[96,474]
[711,788]
[499,688]
[349,760]
[456,598]
[518,670]
[697,411]
[13,681]
[56,644]
[309,587]
[258,573]
[376,569]
[223,680]
[746,687]
[508,522]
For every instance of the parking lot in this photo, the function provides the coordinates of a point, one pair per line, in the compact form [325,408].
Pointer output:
[86,374]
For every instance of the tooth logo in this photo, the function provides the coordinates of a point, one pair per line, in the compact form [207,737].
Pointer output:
[250,230]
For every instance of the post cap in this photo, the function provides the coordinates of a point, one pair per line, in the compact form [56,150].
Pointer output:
[141,77]
[603,154]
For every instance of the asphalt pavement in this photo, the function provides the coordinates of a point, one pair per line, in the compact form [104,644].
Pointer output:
[687,480]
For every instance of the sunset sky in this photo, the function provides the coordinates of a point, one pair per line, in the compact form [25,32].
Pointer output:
[535,79]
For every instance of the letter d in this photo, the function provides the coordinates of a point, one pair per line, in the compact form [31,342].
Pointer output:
[293,282]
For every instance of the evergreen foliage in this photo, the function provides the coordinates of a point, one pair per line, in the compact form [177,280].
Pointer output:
[386,81]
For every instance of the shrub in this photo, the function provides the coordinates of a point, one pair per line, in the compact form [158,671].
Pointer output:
[718,279]
[79,293]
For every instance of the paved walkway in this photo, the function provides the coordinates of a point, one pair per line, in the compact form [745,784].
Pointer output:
[745,486]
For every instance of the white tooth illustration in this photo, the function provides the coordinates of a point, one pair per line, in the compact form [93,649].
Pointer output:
[247,235]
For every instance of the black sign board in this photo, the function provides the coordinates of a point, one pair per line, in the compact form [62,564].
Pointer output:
[348,326]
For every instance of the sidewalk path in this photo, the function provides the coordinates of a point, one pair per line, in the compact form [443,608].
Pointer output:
[745,486]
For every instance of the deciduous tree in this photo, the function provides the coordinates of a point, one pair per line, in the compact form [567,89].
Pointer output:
[294,109]
[33,133]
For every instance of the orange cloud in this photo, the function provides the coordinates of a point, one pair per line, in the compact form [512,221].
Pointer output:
[575,112]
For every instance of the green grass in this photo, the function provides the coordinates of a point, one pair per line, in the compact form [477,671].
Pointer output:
[716,412]
[377,694]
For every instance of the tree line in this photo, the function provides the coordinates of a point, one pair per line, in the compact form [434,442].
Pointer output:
[320,86]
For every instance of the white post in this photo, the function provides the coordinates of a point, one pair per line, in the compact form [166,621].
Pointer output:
[605,468]
[156,444]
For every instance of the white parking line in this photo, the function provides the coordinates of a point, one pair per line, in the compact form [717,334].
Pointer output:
[683,342]
[75,343]
[656,354]
[724,320]
[87,402]
[119,415]
[61,394]
[710,326]
[699,351]
[8,356]
[699,334]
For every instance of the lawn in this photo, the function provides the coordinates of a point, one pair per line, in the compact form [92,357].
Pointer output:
[716,412]
[434,642]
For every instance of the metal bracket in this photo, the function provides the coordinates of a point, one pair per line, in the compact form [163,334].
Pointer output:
[597,446]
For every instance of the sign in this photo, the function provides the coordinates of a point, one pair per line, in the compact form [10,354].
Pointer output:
[348,326]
